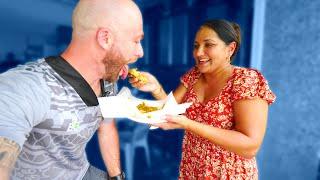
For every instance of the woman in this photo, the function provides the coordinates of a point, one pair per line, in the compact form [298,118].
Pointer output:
[226,123]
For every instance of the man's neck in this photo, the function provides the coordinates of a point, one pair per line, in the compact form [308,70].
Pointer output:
[85,65]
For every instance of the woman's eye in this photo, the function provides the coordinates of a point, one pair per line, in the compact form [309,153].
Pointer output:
[196,46]
[209,45]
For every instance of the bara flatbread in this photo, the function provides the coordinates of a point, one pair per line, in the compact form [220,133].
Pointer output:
[135,73]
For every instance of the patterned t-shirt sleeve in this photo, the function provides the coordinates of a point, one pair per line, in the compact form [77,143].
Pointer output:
[249,84]
[24,100]
[189,77]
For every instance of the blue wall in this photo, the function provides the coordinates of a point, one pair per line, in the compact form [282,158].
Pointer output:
[291,62]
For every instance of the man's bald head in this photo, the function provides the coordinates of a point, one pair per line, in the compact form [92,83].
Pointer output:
[106,38]
[113,14]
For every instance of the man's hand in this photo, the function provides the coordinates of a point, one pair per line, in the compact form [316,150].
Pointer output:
[9,151]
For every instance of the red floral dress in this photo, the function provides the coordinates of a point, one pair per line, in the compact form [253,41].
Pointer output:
[202,159]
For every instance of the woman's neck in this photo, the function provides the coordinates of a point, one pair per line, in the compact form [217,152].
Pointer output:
[220,74]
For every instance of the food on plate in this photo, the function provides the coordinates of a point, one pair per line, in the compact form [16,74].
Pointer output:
[144,108]
[135,73]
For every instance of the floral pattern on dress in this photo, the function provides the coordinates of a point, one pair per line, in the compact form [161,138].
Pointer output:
[202,159]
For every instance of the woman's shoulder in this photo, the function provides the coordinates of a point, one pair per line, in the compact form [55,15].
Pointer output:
[250,83]
[249,75]
[243,72]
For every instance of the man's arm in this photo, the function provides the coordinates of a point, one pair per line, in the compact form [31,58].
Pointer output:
[109,147]
[9,151]
[24,100]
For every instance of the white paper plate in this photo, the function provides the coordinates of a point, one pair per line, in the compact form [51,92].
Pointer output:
[124,105]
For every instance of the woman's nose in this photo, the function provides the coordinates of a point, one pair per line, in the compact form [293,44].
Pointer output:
[199,52]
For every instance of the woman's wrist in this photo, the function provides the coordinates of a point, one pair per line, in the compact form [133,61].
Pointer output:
[186,124]
[157,91]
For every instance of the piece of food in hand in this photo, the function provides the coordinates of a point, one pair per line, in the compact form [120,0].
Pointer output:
[135,73]
[144,108]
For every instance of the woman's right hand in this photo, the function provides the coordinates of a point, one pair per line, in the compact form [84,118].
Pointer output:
[151,85]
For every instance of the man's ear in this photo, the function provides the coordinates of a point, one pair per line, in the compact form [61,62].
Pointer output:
[104,38]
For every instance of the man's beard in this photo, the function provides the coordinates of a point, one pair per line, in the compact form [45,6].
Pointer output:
[113,63]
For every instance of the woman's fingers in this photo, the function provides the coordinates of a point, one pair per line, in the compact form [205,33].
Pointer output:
[179,121]
[172,119]
[164,126]
[135,82]
[148,85]
[167,126]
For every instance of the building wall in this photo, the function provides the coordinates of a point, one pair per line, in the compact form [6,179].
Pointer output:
[291,60]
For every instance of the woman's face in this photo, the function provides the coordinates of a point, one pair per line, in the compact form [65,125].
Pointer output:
[210,52]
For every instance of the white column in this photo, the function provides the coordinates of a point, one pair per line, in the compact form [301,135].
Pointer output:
[257,34]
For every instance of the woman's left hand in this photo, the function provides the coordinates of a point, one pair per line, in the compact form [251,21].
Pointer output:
[173,122]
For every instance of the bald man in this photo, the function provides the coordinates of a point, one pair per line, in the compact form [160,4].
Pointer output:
[49,108]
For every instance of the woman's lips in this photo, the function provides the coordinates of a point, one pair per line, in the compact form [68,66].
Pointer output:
[203,62]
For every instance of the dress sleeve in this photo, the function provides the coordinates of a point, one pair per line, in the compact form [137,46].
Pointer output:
[24,101]
[250,84]
[189,78]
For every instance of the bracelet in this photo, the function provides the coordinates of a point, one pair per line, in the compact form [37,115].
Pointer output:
[121,176]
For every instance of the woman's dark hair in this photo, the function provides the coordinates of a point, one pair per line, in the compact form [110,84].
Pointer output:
[227,31]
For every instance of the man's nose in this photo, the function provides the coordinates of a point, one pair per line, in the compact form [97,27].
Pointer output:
[139,52]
